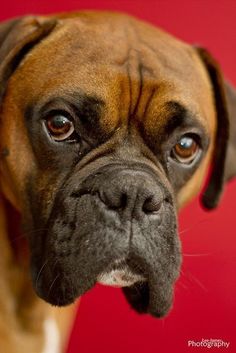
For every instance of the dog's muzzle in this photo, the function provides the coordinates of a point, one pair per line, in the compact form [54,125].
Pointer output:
[117,226]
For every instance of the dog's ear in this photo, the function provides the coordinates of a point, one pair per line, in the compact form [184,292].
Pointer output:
[17,37]
[224,156]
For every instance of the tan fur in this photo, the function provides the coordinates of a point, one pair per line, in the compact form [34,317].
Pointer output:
[58,65]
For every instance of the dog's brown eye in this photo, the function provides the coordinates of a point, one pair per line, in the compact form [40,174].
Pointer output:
[185,150]
[59,127]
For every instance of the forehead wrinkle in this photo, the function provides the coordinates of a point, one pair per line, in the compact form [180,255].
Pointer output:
[135,67]
[140,85]
[143,67]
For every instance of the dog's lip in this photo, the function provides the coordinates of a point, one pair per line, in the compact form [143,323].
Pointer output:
[147,295]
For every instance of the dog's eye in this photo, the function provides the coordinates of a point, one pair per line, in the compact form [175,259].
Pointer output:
[60,127]
[186,150]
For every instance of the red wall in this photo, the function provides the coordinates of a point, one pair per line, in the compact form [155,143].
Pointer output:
[205,304]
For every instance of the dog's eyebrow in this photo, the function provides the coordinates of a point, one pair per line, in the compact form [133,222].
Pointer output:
[179,116]
[88,108]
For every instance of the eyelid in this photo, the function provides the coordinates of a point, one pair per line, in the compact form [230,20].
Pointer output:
[193,136]
[200,136]
[54,112]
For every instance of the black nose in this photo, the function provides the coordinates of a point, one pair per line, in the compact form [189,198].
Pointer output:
[131,191]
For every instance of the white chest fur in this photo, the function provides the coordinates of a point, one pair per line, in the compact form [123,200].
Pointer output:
[52,337]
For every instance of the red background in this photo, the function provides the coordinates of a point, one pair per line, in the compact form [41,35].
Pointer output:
[205,305]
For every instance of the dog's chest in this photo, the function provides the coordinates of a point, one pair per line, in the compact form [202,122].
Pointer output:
[52,337]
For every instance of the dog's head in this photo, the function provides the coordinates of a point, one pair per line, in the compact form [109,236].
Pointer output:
[108,126]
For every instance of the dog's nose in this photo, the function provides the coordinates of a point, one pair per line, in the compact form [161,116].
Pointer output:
[131,191]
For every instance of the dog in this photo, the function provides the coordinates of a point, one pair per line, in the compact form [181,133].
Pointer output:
[108,127]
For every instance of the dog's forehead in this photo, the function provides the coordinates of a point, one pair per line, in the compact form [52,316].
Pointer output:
[118,59]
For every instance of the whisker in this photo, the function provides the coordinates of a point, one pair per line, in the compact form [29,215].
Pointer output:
[181,284]
[198,282]
[194,226]
[34,231]
[39,273]
[24,235]
[196,255]
[52,284]
[195,280]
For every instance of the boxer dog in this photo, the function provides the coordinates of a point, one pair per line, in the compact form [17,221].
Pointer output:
[108,127]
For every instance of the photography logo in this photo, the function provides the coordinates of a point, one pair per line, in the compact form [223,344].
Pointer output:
[209,343]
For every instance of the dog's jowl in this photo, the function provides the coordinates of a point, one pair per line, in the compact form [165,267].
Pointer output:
[108,127]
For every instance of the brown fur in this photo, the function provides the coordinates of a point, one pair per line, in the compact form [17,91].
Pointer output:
[171,68]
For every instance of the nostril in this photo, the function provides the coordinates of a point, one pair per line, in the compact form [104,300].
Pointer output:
[123,200]
[151,205]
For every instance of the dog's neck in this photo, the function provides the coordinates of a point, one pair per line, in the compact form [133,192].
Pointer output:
[27,324]
[22,314]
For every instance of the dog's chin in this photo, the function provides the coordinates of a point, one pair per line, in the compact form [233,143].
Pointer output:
[144,293]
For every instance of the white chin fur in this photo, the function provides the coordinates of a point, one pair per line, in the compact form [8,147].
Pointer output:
[119,278]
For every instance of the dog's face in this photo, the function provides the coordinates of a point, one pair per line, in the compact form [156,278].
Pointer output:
[109,126]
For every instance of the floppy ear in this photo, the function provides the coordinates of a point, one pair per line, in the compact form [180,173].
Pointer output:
[224,156]
[17,37]
[230,168]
